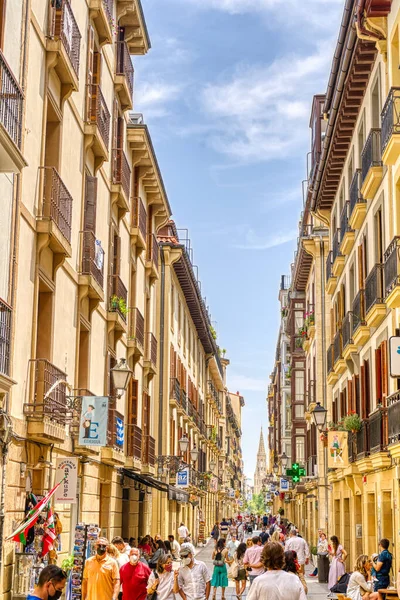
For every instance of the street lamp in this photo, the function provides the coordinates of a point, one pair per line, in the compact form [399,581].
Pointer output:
[319,414]
[194,454]
[121,375]
[184,443]
[284,460]
[275,468]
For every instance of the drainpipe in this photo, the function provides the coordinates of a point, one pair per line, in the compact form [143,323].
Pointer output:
[363,33]
[323,316]
[160,377]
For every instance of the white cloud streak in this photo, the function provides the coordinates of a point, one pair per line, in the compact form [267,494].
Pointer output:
[256,242]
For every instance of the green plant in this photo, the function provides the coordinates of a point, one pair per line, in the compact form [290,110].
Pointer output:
[118,303]
[213,332]
[284,311]
[352,422]
[289,372]
[339,426]
[68,563]
[314,550]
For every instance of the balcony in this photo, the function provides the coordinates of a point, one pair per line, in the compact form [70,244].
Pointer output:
[150,354]
[338,360]
[332,376]
[392,274]
[63,47]
[390,138]
[372,166]
[97,126]
[117,309]
[337,257]
[375,307]
[152,257]
[92,270]
[378,431]
[133,447]
[135,338]
[55,213]
[139,223]
[101,12]
[174,392]
[113,453]
[5,347]
[362,437]
[297,343]
[347,234]
[349,346]
[331,280]
[358,205]
[184,401]
[121,181]
[148,454]
[46,411]
[124,76]
[393,403]
[360,329]
[11,109]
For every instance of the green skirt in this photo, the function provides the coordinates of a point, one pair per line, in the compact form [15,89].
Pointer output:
[220,577]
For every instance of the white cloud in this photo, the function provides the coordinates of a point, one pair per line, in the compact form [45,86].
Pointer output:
[256,242]
[242,383]
[158,92]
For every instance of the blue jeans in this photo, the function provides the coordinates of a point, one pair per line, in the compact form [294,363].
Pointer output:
[382,583]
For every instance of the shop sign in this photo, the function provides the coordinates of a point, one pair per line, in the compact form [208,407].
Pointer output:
[359,531]
[394,356]
[231,493]
[67,469]
[213,484]
[177,495]
[94,421]
[338,450]
[182,478]
[284,484]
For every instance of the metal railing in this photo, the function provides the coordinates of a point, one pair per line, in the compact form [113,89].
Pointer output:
[75,410]
[43,376]
[392,265]
[337,346]
[11,102]
[184,402]
[344,220]
[358,310]
[329,265]
[371,155]
[378,430]
[57,201]
[347,329]
[97,111]
[329,359]
[136,326]
[151,348]
[119,291]
[64,26]
[355,191]
[115,437]
[336,245]
[148,450]
[363,440]
[139,216]
[92,257]
[175,389]
[390,117]
[134,441]
[5,337]
[121,172]
[352,446]
[124,64]
[285,282]
[374,288]
[393,403]
[152,249]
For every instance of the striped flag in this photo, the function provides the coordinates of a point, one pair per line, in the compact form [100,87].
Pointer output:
[19,535]
[49,532]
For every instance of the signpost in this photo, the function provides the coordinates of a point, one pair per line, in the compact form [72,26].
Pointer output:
[296,472]
[394,356]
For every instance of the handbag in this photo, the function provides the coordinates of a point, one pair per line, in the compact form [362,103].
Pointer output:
[233,570]
[218,563]
[153,595]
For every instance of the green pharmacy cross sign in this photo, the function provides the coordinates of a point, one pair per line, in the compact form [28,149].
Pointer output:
[295,472]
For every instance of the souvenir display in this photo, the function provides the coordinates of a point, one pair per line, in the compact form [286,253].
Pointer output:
[85,538]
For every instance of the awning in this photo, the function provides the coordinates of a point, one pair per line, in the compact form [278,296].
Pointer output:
[173,492]
[178,495]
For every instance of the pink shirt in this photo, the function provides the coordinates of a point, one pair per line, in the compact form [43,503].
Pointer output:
[252,556]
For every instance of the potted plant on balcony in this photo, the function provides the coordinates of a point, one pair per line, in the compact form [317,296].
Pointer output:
[284,311]
[352,422]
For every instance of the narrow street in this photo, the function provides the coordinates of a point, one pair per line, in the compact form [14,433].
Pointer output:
[316,591]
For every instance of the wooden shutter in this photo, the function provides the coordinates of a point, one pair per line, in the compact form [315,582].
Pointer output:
[350,395]
[116,255]
[3,4]
[367,389]
[378,375]
[363,386]
[171,436]
[357,403]
[133,402]
[96,67]
[361,274]
[384,371]
[112,361]
[89,217]
[172,362]
[146,414]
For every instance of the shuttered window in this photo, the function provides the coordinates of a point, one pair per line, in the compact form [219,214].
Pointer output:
[365,390]
[381,373]
[89,217]
[133,402]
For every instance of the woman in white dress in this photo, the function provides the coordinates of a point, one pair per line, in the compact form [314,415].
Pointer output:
[360,585]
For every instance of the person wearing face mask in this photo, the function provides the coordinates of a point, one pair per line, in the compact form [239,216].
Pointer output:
[100,575]
[163,579]
[194,579]
[50,585]
[134,576]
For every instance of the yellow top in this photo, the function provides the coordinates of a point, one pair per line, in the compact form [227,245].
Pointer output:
[101,574]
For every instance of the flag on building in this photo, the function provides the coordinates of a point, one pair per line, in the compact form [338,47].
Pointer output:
[49,532]
[120,432]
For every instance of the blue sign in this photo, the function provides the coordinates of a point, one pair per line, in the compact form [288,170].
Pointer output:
[93,421]
[120,432]
[284,485]
[182,478]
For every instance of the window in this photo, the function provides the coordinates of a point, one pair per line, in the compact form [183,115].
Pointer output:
[299,411]
[365,390]
[172,306]
[376,104]
[300,447]
[381,374]
[379,242]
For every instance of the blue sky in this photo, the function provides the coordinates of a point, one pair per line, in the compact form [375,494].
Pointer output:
[226,91]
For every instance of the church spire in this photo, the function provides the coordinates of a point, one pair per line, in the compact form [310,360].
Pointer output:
[261,445]
[261,466]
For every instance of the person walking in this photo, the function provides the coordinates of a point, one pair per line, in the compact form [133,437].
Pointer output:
[159,553]
[323,558]
[240,532]
[215,532]
[163,579]
[134,576]
[123,556]
[101,577]
[183,532]
[382,566]
[275,583]
[292,566]
[175,547]
[360,585]
[50,585]
[232,546]
[241,577]
[252,559]
[337,568]
[220,572]
[224,529]
[300,546]
[194,580]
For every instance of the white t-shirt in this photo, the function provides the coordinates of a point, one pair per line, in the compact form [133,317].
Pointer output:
[176,547]
[277,585]
[165,585]
[300,546]
[122,559]
[183,531]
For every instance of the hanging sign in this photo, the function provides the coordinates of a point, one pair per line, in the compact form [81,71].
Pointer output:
[182,478]
[67,469]
[213,484]
[394,356]
[338,450]
[94,421]
[284,484]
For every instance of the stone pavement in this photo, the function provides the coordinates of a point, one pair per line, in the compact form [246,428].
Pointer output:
[316,591]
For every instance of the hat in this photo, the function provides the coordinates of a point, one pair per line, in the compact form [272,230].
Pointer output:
[185,550]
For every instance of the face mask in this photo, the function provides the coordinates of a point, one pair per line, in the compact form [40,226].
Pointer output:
[186,561]
[57,594]
[133,560]
[101,550]
[168,568]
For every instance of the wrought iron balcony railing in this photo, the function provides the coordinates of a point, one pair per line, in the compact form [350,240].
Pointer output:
[344,220]
[358,310]
[336,245]
[311,391]
[119,296]
[136,326]
[124,64]
[92,257]
[151,348]
[337,346]
[355,191]
[329,359]
[347,329]
[139,217]
[5,337]
[97,111]
[175,389]
[390,117]
[392,265]
[63,26]
[363,440]
[152,250]
[371,155]
[374,293]
[378,430]
[45,403]
[121,172]
[329,265]
[11,102]
[57,201]
[393,403]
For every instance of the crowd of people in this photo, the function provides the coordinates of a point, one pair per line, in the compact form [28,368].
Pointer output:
[155,569]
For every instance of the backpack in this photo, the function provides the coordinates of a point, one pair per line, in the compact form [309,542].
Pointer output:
[218,560]
[341,586]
